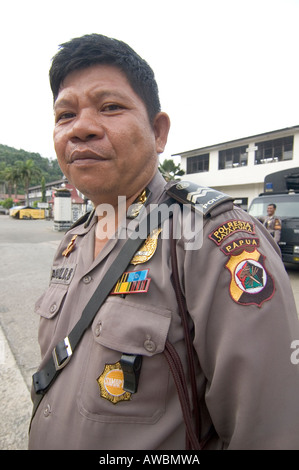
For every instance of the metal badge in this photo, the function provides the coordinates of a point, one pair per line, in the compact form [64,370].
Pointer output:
[148,248]
[135,208]
[70,246]
[111,383]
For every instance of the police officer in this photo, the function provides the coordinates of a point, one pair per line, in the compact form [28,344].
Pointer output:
[273,223]
[120,382]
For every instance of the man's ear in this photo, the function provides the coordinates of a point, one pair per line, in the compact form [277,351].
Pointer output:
[161,129]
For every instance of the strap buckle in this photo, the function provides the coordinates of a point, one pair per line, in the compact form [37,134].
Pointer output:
[62,353]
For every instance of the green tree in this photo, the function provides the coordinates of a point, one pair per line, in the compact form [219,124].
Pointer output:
[12,177]
[171,171]
[8,203]
[28,171]
[43,183]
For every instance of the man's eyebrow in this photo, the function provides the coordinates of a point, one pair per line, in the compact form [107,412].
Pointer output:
[62,102]
[101,94]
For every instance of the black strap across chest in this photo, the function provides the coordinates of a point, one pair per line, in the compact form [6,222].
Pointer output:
[62,353]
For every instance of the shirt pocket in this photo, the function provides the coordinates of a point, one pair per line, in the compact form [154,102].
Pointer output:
[122,326]
[47,307]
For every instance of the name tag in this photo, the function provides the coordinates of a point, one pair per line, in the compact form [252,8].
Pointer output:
[62,274]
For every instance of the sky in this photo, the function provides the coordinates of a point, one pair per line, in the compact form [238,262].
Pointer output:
[226,69]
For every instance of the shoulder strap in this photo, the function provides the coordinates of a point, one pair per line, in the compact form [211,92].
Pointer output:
[62,353]
[193,433]
[201,198]
[184,316]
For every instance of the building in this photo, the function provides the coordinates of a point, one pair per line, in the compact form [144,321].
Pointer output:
[79,204]
[238,167]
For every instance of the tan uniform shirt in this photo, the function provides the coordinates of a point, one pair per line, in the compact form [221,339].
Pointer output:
[273,225]
[244,318]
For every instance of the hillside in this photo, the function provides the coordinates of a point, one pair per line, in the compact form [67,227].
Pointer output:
[50,168]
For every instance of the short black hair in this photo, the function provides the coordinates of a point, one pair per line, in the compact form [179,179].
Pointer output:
[271,204]
[92,49]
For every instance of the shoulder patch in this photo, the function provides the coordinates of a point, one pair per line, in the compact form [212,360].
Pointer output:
[202,198]
[251,283]
[230,227]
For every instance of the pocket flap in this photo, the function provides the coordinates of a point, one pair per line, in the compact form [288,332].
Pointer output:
[49,304]
[131,328]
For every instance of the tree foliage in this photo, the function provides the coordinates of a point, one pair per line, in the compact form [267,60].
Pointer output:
[19,168]
[171,171]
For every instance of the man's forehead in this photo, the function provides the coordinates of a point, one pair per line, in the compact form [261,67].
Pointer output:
[95,77]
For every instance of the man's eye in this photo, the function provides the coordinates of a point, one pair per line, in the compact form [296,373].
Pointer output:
[63,116]
[111,107]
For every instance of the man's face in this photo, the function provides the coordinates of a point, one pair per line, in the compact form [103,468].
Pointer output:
[103,139]
[270,210]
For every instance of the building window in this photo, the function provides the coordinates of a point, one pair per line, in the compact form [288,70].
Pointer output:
[242,202]
[232,158]
[274,150]
[198,164]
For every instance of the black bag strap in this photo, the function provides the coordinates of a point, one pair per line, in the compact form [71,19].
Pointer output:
[62,353]
[191,414]
[176,368]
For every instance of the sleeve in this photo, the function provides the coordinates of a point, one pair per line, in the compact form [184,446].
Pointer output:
[241,302]
[277,230]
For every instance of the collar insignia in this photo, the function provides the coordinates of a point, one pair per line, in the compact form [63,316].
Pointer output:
[70,247]
[136,207]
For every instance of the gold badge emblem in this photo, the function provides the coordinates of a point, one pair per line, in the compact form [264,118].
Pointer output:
[111,383]
[70,246]
[148,248]
[135,208]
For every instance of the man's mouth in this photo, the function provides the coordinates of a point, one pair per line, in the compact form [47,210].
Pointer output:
[85,157]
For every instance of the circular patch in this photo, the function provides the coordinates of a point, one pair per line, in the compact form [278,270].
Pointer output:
[113,382]
[250,276]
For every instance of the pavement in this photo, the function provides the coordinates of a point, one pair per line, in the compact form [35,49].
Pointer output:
[15,401]
[26,252]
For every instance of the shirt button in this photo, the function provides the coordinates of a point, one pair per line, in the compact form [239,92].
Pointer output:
[87,279]
[149,345]
[53,308]
[98,329]
[47,411]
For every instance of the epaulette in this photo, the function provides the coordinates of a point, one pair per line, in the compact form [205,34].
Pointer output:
[84,219]
[201,198]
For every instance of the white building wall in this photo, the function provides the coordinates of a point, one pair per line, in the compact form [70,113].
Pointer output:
[245,181]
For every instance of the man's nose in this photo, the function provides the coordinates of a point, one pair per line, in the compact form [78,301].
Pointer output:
[87,125]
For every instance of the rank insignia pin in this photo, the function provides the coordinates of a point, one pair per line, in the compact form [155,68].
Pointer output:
[70,246]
